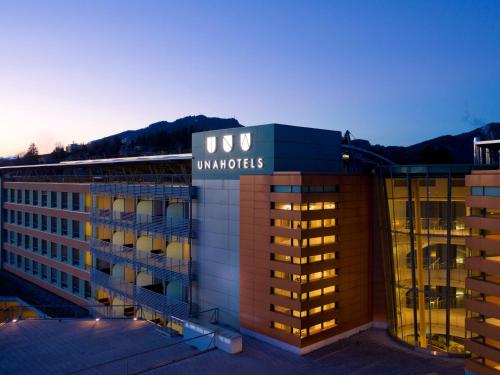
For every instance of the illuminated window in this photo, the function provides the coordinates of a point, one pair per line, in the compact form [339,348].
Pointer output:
[315,276]
[313,206]
[281,326]
[300,206]
[281,309]
[329,306]
[330,205]
[281,258]
[315,310]
[328,256]
[282,206]
[329,239]
[284,241]
[315,329]
[282,223]
[299,224]
[278,274]
[315,258]
[329,289]
[327,223]
[300,260]
[314,293]
[302,333]
[314,224]
[282,292]
[329,324]
[315,241]
[329,273]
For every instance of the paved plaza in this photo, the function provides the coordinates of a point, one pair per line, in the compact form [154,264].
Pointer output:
[78,346]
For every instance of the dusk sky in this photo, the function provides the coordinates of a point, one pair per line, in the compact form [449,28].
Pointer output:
[392,72]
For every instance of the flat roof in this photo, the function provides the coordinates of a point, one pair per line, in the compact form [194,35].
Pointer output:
[131,159]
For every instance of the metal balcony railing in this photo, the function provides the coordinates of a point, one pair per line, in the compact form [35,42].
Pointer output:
[433,224]
[141,222]
[140,296]
[161,267]
[152,191]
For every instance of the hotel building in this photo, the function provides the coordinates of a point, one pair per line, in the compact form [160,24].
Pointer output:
[290,235]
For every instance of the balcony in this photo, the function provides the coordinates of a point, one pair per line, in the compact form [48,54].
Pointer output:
[159,266]
[140,296]
[155,191]
[435,225]
[141,222]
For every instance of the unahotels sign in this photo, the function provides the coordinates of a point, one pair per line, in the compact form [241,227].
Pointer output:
[245,144]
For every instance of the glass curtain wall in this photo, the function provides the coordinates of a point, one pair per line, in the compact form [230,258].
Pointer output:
[427,231]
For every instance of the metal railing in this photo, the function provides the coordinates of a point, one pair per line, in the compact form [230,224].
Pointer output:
[145,191]
[141,296]
[433,224]
[141,222]
[159,266]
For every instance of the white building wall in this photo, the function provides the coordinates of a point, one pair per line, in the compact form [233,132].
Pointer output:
[216,248]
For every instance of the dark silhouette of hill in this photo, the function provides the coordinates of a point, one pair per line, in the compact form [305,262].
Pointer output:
[447,149]
[175,137]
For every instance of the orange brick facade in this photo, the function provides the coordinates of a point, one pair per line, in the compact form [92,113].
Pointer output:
[327,266]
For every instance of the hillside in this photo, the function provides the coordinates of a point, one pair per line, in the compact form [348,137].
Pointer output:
[447,149]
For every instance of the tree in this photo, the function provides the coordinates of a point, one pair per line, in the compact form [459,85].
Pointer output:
[31,156]
[58,154]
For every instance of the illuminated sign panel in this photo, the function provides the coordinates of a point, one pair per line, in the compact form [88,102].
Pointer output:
[264,149]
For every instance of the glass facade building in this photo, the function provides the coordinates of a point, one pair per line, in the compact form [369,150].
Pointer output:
[425,270]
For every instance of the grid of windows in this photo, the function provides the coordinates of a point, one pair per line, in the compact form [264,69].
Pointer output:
[44,198]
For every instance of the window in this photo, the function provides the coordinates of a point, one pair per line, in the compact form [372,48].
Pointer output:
[44,271]
[53,275]
[282,206]
[75,257]
[26,242]
[328,223]
[35,267]
[27,264]
[12,216]
[19,241]
[87,289]
[35,197]
[64,227]
[76,228]
[27,219]
[44,222]
[64,253]
[19,218]
[330,205]
[53,199]
[53,250]
[35,221]
[53,224]
[64,279]
[12,193]
[281,326]
[35,244]
[12,258]
[313,206]
[44,198]
[64,200]
[75,284]
[76,201]
[19,196]
[27,197]
[19,261]
[329,239]
[44,247]
[284,241]
[314,224]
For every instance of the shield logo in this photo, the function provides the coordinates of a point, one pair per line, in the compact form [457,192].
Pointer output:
[227,143]
[245,141]
[211,144]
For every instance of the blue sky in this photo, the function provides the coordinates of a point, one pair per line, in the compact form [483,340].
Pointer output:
[393,72]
